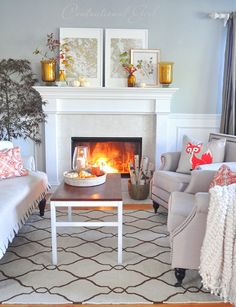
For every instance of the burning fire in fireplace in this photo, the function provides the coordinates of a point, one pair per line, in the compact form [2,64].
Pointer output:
[111,156]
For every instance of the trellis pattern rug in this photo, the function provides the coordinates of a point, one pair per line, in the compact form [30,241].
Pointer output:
[87,270]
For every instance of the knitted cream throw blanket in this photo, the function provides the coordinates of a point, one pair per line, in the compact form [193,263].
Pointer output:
[218,253]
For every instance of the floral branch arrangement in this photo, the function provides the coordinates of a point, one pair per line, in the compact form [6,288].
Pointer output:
[125,62]
[65,55]
[52,46]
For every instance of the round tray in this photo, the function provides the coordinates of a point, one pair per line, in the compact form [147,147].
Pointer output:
[85,182]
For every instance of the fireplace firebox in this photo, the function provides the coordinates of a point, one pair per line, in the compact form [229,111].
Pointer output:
[112,154]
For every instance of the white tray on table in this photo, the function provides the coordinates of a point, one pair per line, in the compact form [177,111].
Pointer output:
[84,182]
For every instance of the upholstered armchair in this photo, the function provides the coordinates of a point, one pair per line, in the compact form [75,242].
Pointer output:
[187,216]
[166,180]
[187,219]
[187,212]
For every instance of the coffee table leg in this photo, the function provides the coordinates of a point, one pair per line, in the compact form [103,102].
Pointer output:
[120,222]
[69,214]
[53,234]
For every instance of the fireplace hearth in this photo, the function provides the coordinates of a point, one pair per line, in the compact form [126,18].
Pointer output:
[111,154]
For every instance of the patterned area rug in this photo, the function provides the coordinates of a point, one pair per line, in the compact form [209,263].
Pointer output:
[87,270]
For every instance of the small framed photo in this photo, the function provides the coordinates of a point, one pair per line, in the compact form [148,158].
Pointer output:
[81,54]
[118,41]
[148,59]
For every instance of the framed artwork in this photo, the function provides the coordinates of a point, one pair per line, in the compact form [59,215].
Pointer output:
[118,41]
[81,54]
[148,59]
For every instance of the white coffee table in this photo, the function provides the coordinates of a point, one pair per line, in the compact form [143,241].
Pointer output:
[104,195]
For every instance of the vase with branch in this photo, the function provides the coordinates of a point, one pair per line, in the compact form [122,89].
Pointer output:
[129,68]
[49,58]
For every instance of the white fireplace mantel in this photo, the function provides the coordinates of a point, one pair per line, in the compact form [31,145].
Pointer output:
[74,100]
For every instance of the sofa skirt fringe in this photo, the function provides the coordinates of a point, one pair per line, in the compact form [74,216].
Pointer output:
[21,222]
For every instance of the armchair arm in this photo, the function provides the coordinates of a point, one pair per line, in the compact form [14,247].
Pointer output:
[187,238]
[200,181]
[169,161]
[29,163]
[202,202]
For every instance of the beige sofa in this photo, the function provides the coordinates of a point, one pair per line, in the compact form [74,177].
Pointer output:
[19,195]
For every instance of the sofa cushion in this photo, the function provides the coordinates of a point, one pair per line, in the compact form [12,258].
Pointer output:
[11,164]
[171,181]
[195,153]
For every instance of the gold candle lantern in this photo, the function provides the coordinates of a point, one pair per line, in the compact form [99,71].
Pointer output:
[166,73]
[48,70]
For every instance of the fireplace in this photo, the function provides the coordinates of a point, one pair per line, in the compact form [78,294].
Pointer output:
[115,112]
[112,154]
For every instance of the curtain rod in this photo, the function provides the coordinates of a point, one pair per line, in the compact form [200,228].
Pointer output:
[216,15]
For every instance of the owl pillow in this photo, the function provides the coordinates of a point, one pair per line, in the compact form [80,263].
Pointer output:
[195,153]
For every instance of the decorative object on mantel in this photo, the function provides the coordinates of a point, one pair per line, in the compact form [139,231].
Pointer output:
[118,41]
[20,104]
[131,80]
[81,54]
[165,73]
[61,81]
[148,59]
[129,68]
[140,175]
[48,71]
[49,59]
[62,76]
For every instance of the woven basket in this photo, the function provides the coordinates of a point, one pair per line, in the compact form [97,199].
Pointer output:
[138,192]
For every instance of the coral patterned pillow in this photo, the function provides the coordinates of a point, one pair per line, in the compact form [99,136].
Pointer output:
[11,164]
[224,176]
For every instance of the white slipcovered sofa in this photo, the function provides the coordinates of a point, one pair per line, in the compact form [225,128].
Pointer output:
[18,197]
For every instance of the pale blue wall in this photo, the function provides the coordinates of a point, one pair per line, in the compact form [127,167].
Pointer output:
[181,29]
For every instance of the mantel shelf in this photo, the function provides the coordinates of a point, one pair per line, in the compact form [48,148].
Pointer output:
[107,100]
[137,92]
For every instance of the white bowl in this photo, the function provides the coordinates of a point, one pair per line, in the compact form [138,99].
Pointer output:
[84,182]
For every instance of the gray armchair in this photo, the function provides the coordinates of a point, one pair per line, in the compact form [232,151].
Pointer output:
[186,223]
[166,180]
[187,213]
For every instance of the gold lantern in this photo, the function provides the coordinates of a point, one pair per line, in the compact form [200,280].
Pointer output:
[48,70]
[166,73]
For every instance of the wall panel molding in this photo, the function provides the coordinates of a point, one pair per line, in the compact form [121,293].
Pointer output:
[196,125]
